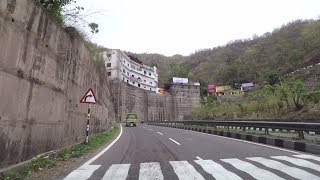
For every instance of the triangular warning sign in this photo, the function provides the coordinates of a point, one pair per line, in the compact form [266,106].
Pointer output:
[89,97]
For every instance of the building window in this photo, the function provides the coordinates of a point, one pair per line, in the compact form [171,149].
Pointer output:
[150,82]
[124,61]
[128,64]
[109,73]
[108,64]
[123,78]
[132,82]
[149,73]
[124,71]
[127,81]
[132,66]
[150,89]
[128,73]
[144,81]
[132,75]
[138,85]
[145,72]
[145,87]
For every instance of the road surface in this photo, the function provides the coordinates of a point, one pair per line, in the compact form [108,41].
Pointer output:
[151,152]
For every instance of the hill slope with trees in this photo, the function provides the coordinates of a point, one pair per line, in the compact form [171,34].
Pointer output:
[259,59]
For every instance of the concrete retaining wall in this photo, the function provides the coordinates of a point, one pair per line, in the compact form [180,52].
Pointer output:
[44,71]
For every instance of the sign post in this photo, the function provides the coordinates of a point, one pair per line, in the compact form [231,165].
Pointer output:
[89,98]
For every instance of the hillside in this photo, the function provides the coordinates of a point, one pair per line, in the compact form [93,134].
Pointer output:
[290,47]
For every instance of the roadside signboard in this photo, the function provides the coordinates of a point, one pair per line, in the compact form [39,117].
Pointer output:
[88,98]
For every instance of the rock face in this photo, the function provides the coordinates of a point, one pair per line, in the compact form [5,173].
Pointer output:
[45,70]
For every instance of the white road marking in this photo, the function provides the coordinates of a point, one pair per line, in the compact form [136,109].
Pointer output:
[299,162]
[216,170]
[117,172]
[251,169]
[306,156]
[185,171]
[160,133]
[292,171]
[199,158]
[86,170]
[174,141]
[82,173]
[150,171]
[244,141]
[151,129]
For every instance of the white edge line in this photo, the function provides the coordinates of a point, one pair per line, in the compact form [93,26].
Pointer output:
[174,141]
[199,158]
[160,133]
[249,142]
[104,150]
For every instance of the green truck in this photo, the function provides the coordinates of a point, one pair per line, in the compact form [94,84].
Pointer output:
[131,119]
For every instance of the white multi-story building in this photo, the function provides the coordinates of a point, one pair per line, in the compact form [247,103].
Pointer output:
[130,70]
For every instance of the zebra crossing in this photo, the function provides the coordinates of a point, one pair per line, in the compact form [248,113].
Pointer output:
[305,167]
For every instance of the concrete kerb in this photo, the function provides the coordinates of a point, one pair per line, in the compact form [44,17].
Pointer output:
[287,144]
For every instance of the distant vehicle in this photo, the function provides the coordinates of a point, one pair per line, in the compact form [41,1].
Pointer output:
[142,121]
[131,119]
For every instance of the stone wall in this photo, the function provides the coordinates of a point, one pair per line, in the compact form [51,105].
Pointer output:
[151,106]
[148,105]
[44,71]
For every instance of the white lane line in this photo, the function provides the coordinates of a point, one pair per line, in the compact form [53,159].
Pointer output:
[216,170]
[251,169]
[291,171]
[306,156]
[86,170]
[150,171]
[160,133]
[299,162]
[185,171]
[199,158]
[117,172]
[244,141]
[174,141]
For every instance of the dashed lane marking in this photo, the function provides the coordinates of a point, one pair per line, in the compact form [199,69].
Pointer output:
[174,141]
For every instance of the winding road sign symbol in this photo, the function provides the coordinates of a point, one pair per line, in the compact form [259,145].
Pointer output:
[89,97]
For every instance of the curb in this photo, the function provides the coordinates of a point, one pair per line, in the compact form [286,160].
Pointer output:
[283,143]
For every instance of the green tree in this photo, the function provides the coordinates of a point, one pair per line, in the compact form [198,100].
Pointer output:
[283,93]
[297,91]
[179,70]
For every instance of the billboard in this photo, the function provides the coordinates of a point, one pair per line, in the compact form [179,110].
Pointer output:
[247,87]
[211,88]
[178,80]
[223,88]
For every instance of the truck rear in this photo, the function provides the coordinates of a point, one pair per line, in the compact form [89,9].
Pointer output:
[131,119]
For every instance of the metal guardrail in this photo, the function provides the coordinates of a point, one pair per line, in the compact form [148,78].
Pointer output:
[300,127]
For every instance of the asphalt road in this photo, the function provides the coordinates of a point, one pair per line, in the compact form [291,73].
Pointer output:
[152,152]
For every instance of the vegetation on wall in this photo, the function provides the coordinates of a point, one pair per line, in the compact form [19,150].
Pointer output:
[68,16]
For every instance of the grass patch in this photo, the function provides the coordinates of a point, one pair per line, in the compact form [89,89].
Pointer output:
[46,162]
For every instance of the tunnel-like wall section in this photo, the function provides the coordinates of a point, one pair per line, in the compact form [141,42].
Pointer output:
[44,71]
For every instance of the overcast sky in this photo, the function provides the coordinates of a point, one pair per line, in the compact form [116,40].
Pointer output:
[182,26]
